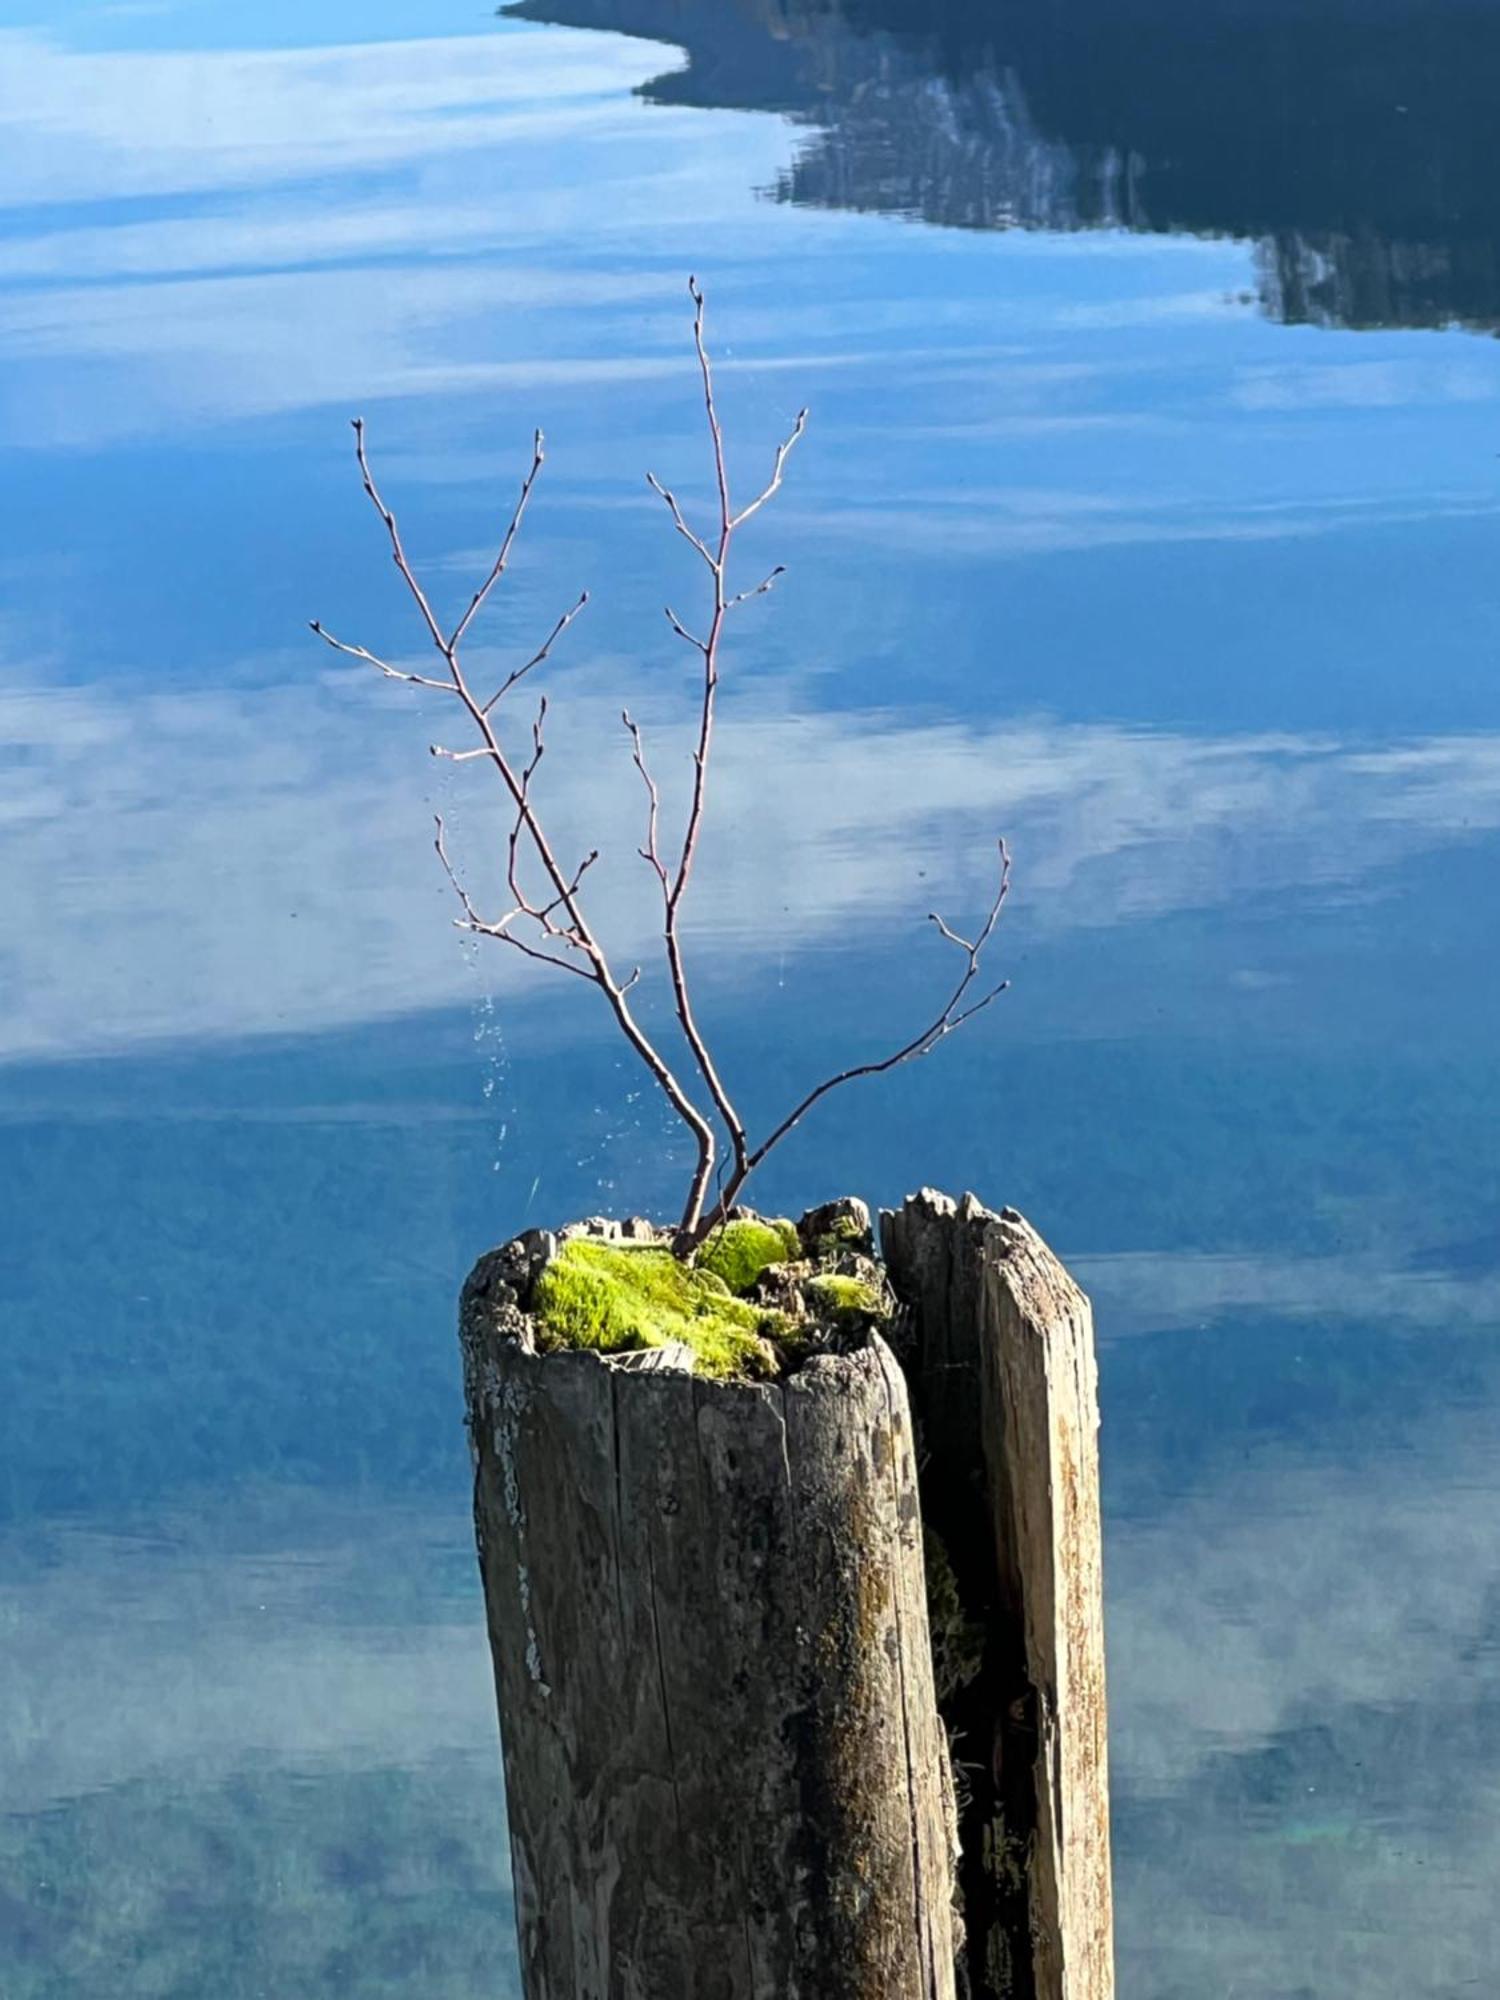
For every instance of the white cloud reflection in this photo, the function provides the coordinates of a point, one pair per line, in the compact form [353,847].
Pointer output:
[183,863]
[1303,1677]
[1295,1587]
[83,125]
[1312,1608]
[248,231]
[967,523]
[1150,1291]
[195,1645]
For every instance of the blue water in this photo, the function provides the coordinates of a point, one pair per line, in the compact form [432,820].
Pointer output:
[1147,514]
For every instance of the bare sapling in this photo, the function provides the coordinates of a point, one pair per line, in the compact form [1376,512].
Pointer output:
[544,915]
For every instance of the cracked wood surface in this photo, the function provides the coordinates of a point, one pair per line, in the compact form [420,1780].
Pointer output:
[725,1774]
[999,1353]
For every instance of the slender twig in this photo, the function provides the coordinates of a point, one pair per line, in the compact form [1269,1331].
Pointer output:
[500,930]
[681,630]
[649,853]
[783,453]
[381,666]
[951,1017]
[715,551]
[498,567]
[541,653]
[398,552]
[550,925]
[678,522]
[767,583]
[575,934]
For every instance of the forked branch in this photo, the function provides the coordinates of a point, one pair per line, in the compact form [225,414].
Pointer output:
[558,923]
[959,1009]
[550,925]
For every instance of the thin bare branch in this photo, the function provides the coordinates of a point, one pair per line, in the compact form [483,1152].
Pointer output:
[678,522]
[979,1005]
[952,1016]
[500,929]
[760,589]
[502,560]
[951,935]
[537,657]
[649,852]
[783,453]
[440,844]
[590,961]
[675,880]
[545,914]
[373,660]
[541,957]
[715,429]
[681,630]
[398,551]
[538,744]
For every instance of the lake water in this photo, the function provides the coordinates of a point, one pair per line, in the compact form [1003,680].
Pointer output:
[1148,513]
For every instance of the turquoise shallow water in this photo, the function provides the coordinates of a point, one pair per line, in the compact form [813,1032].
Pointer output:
[1146,514]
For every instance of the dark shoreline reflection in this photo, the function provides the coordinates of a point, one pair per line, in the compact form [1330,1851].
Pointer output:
[1348,139]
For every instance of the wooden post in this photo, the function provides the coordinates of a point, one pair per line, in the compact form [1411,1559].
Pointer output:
[725,1774]
[999,1355]
[743,1649]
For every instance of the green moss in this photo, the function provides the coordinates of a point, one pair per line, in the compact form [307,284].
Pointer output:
[740,1251]
[614,1298]
[845,1299]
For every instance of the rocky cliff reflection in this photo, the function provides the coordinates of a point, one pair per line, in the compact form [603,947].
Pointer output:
[1349,141]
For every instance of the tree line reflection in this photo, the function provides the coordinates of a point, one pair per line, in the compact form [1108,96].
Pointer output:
[1348,142]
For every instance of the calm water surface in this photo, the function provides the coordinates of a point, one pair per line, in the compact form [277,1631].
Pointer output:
[1148,513]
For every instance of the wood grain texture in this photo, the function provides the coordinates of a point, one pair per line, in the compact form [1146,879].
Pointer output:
[725,1773]
[998,1349]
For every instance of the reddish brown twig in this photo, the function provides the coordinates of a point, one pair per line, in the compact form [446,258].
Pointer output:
[551,928]
[952,1016]
[674,882]
[572,934]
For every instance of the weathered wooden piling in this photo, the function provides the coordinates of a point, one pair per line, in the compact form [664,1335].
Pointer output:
[726,1771]
[998,1351]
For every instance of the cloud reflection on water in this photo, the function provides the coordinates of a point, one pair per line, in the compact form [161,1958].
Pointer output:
[269,844]
[282,1730]
[83,124]
[188,1672]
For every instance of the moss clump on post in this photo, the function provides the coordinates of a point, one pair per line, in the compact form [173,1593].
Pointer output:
[847,1302]
[752,1305]
[616,1298]
[745,1247]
